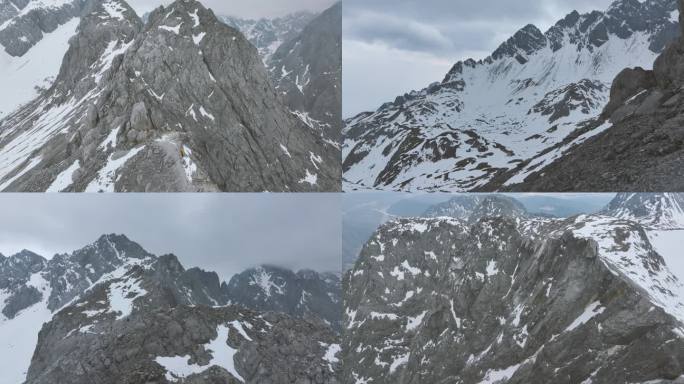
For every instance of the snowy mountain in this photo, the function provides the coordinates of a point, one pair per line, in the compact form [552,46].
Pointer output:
[269,34]
[490,123]
[34,36]
[124,115]
[585,299]
[657,211]
[642,145]
[110,291]
[305,294]
[474,207]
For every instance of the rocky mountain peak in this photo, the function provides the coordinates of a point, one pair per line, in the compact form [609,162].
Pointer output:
[526,41]
[653,210]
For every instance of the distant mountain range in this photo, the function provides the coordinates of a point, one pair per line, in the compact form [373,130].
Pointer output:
[137,317]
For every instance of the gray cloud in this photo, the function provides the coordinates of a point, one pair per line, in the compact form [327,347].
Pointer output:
[418,40]
[226,233]
[242,8]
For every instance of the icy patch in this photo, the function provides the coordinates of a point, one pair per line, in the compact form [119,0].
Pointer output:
[413,322]
[204,113]
[114,49]
[114,9]
[110,140]
[175,29]
[198,38]
[310,178]
[195,18]
[178,368]
[121,296]
[64,179]
[263,280]
[188,165]
[594,309]
[285,151]
[331,354]
[106,178]
[398,362]
[238,326]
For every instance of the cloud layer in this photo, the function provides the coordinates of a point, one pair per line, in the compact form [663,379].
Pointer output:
[247,9]
[226,233]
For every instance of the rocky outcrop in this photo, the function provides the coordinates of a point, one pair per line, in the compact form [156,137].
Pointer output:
[156,125]
[508,300]
[305,294]
[641,139]
[307,71]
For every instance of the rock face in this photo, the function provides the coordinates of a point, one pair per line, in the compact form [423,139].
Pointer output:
[642,144]
[269,34]
[307,71]
[443,300]
[305,294]
[89,315]
[490,124]
[125,115]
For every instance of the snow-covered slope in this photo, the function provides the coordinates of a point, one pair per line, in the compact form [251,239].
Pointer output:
[34,36]
[531,97]
[655,211]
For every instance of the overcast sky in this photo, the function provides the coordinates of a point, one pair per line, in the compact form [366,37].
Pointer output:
[226,233]
[253,9]
[393,46]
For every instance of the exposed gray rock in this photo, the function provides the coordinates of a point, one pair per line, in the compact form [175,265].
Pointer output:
[305,294]
[307,71]
[515,301]
[184,81]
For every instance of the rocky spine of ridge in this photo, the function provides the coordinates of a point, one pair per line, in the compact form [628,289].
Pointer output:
[141,121]
[534,301]
[307,71]
[642,149]
[306,294]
